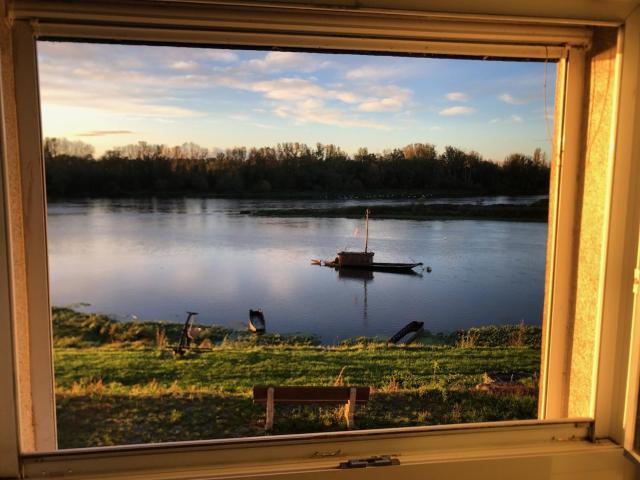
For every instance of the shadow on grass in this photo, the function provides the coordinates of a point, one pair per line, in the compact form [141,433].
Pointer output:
[101,420]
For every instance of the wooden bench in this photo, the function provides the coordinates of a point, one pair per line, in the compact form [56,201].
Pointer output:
[270,395]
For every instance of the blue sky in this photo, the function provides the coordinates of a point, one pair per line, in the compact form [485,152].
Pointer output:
[110,95]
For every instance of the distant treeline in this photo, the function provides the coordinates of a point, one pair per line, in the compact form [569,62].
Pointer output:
[144,169]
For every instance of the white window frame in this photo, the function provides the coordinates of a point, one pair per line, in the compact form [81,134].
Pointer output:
[30,445]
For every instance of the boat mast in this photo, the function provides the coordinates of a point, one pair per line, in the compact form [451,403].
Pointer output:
[366,229]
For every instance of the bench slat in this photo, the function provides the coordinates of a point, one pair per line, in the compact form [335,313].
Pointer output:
[308,395]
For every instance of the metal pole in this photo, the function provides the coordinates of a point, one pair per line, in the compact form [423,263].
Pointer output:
[366,229]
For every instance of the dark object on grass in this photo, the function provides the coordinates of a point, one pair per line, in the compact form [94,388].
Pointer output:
[186,337]
[407,334]
[350,396]
[256,321]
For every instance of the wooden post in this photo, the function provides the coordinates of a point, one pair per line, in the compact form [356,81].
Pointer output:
[268,424]
[351,408]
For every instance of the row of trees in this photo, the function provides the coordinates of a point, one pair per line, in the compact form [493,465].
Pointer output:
[144,169]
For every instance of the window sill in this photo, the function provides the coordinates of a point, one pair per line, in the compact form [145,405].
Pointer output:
[296,454]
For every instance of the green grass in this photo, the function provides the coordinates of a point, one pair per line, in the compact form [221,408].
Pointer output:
[110,397]
[237,370]
[116,385]
[101,420]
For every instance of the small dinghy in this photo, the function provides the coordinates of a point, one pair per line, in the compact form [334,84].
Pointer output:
[256,321]
[407,334]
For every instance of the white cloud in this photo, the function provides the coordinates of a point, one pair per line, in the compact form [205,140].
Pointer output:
[292,89]
[315,111]
[511,119]
[508,98]
[381,105]
[101,133]
[451,111]
[227,56]
[385,98]
[436,128]
[279,61]
[346,97]
[457,96]
[182,65]
[389,91]
[373,72]
[114,100]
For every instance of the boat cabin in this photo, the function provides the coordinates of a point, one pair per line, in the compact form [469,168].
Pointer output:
[355,259]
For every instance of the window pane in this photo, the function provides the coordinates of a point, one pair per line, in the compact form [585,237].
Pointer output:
[224,182]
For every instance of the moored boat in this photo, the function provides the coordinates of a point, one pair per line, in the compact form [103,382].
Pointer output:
[256,321]
[364,260]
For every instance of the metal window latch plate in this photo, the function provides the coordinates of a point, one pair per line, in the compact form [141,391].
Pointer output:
[636,280]
[375,461]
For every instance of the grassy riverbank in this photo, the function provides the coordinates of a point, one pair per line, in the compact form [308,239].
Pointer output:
[116,386]
[535,212]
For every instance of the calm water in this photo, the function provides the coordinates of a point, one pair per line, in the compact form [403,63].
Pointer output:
[154,259]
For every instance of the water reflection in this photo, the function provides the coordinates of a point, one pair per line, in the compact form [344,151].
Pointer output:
[360,276]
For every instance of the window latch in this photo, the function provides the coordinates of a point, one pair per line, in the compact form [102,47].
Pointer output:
[375,461]
[636,280]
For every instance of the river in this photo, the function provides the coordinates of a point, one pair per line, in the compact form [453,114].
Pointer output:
[154,259]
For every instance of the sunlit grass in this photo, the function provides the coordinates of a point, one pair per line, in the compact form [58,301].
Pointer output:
[128,387]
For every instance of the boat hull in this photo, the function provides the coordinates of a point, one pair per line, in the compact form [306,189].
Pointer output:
[395,267]
[383,267]
[379,267]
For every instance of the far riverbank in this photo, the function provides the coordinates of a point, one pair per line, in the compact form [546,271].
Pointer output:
[534,212]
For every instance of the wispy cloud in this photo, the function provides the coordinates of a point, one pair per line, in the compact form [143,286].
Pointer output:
[287,88]
[81,76]
[510,119]
[457,96]
[182,65]
[226,56]
[281,61]
[373,73]
[101,133]
[452,111]
[380,105]
[510,99]
[316,111]
[385,98]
